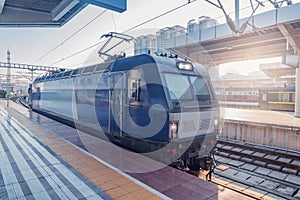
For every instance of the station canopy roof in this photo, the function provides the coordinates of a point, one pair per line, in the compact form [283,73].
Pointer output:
[45,13]
[267,36]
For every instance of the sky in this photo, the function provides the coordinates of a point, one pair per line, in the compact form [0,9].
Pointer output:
[28,45]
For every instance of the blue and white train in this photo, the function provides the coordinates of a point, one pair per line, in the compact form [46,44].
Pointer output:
[163,107]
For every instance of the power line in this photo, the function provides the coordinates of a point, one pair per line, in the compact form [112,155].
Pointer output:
[87,61]
[241,9]
[76,53]
[134,27]
[115,25]
[61,43]
[163,14]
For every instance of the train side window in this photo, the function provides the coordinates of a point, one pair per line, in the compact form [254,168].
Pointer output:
[134,89]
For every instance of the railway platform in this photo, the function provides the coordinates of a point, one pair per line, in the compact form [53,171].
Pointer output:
[39,165]
[30,170]
[272,128]
[265,117]
[94,168]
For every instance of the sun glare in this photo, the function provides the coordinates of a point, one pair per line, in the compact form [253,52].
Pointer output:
[245,67]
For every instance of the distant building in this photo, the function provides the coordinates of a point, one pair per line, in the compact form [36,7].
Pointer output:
[167,33]
[144,44]
[206,22]
[156,43]
[192,26]
[203,23]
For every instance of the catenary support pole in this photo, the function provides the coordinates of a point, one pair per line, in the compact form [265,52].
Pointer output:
[8,78]
[237,14]
[297,92]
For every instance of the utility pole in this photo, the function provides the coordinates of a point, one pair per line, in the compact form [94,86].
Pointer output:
[237,14]
[8,78]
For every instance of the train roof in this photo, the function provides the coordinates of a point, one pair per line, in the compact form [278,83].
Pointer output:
[131,62]
[121,64]
[200,69]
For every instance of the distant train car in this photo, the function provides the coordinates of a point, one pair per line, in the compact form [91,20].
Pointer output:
[239,97]
[163,107]
[279,98]
[266,98]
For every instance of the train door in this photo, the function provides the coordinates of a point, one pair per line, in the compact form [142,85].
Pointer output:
[116,104]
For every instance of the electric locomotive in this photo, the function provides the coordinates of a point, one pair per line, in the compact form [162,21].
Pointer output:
[162,107]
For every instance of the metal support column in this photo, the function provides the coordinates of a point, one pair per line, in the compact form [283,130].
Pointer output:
[8,78]
[297,94]
[237,14]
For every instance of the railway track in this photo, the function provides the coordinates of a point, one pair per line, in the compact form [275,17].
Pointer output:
[19,100]
[261,171]
[274,158]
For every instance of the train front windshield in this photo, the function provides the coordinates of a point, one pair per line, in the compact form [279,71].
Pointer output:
[187,88]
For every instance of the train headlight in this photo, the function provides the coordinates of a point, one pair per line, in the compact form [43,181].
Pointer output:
[185,66]
[173,130]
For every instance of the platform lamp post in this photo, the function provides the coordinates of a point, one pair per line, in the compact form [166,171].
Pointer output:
[8,78]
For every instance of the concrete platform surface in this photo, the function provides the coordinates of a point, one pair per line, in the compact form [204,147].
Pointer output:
[30,170]
[267,117]
[120,173]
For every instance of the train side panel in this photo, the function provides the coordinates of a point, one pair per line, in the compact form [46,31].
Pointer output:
[277,98]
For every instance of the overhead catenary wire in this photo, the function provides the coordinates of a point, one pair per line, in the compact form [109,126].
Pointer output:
[141,24]
[134,27]
[241,9]
[68,38]
[76,53]
[115,25]
[163,14]
[94,59]
[235,27]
